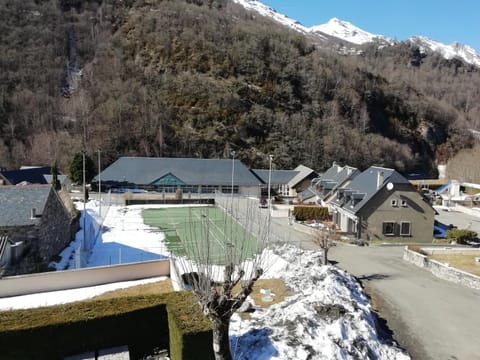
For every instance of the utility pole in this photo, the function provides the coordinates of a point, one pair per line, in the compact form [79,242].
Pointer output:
[82,244]
[99,185]
[269,182]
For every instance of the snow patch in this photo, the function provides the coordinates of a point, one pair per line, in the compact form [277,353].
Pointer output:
[328,317]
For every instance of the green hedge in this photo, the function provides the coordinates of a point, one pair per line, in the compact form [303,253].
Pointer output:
[141,322]
[304,213]
[190,332]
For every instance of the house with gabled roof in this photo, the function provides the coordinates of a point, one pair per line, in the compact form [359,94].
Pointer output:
[303,179]
[190,175]
[35,225]
[279,180]
[326,185]
[287,183]
[381,204]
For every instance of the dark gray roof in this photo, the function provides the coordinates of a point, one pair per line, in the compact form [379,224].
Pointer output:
[145,171]
[61,178]
[17,202]
[306,194]
[303,173]
[331,179]
[365,185]
[278,177]
[31,175]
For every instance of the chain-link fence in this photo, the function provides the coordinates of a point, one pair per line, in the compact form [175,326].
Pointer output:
[242,208]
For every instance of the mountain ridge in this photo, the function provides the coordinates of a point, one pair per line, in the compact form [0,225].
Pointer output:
[346,31]
[221,78]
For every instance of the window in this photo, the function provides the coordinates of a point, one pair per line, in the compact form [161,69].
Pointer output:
[405,228]
[389,228]
[394,202]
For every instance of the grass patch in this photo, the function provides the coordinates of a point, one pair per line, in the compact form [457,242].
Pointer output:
[417,249]
[276,286]
[460,261]
[160,287]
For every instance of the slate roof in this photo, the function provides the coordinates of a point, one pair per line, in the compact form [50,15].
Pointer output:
[16,203]
[331,179]
[278,177]
[364,186]
[30,175]
[61,178]
[306,194]
[303,172]
[145,171]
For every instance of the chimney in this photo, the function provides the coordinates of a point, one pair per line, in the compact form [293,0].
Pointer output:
[33,213]
[380,179]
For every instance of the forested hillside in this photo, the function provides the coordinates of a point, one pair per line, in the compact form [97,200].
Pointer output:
[198,78]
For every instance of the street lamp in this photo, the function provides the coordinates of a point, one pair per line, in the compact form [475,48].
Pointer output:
[269,182]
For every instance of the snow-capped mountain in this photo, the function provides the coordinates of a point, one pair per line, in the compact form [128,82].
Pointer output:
[347,32]
[265,10]
[465,52]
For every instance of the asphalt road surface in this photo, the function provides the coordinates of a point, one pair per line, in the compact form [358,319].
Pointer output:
[431,318]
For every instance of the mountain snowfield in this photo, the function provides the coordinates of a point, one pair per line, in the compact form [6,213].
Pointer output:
[345,31]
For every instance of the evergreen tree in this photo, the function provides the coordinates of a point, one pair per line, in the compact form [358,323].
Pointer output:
[55,183]
[76,168]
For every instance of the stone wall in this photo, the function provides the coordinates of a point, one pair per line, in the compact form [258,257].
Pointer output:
[441,270]
[54,231]
[41,242]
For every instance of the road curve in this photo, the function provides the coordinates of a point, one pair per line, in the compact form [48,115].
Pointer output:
[431,318]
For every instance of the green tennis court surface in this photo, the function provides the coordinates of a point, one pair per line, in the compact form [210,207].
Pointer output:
[203,233]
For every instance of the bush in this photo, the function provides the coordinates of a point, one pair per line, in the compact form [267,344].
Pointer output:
[461,236]
[304,213]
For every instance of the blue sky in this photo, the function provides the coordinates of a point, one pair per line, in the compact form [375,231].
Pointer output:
[442,20]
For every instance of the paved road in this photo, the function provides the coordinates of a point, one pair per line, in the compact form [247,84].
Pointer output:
[431,318]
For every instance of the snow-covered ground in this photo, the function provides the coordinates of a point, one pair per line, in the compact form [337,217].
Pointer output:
[327,317]
[122,238]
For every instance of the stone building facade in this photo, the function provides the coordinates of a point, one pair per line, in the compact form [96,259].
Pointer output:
[37,226]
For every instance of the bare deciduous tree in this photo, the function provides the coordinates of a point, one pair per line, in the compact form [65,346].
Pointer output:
[324,239]
[224,257]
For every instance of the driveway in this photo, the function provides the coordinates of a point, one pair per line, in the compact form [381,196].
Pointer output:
[431,318]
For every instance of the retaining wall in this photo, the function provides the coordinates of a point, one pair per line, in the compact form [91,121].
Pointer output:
[72,279]
[441,270]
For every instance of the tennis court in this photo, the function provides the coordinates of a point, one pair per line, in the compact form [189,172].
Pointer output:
[203,233]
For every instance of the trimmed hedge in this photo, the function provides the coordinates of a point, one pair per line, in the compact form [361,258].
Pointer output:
[304,213]
[141,322]
[190,332]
